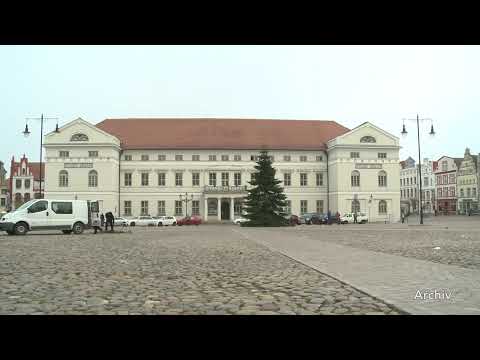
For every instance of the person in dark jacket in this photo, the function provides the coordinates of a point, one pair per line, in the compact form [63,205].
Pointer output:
[102,220]
[329,217]
[337,217]
[109,220]
[355,218]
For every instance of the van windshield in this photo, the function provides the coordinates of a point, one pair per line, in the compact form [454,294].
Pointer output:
[27,204]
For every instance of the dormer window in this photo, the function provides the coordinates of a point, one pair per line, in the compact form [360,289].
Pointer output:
[79,137]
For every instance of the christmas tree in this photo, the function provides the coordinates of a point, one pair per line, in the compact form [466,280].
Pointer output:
[265,202]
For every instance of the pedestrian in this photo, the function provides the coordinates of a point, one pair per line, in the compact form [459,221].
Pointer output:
[403,217]
[355,218]
[337,218]
[329,217]
[96,224]
[102,220]
[109,221]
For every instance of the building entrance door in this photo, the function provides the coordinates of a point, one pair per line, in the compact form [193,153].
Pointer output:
[225,210]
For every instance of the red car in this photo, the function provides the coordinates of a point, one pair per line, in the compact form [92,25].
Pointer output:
[190,220]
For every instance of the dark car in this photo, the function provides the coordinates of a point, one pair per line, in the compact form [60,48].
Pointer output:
[313,218]
[473,212]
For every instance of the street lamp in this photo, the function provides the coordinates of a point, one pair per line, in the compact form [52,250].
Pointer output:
[404,134]
[26,133]
[186,200]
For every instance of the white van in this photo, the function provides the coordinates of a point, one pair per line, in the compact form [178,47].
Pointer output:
[47,214]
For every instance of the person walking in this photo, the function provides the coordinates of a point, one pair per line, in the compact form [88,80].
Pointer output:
[403,217]
[102,220]
[337,217]
[96,224]
[355,218]
[329,217]
[109,221]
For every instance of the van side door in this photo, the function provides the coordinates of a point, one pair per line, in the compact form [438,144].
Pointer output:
[61,215]
[38,215]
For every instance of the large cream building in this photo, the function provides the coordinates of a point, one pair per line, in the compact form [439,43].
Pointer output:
[142,166]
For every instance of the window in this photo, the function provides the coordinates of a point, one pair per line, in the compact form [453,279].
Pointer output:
[79,137]
[161,179]
[439,193]
[382,179]
[303,179]
[253,157]
[237,157]
[382,207]
[212,157]
[287,179]
[225,179]
[196,179]
[303,207]
[252,177]
[319,158]
[144,207]
[144,179]
[195,207]
[319,179]
[439,180]
[355,178]
[444,165]
[63,178]
[38,206]
[303,158]
[64,154]
[127,208]
[62,207]
[237,207]
[2,202]
[445,180]
[18,183]
[161,208]
[415,180]
[195,157]
[408,182]
[127,179]
[212,207]
[355,206]
[178,207]
[224,157]
[474,192]
[468,192]
[287,158]
[288,208]
[178,157]
[128,158]
[178,179]
[425,181]
[27,183]
[162,157]
[415,192]
[382,155]
[452,178]
[354,155]
[26,197]
[428,195]
[92,178]
[93,154]
[145,157]
[320,206]
[212,179]
[237,179]
[452,191]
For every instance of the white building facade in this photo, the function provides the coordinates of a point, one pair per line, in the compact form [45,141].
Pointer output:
[142,166]
[410,185]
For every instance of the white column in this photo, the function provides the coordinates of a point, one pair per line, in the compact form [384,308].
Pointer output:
[205,214]
[232,199]
[219,209]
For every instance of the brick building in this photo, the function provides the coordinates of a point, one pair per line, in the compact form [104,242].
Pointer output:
[446,184]
[24,182]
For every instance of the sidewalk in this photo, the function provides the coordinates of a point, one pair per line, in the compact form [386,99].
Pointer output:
[394,279]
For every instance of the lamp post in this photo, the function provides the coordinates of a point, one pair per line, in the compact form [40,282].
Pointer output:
[432,133]
[186,200]
[26,133]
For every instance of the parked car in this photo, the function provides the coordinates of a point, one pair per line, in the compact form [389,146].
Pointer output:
[47,214]
[143,221]
[239,221]
[474,212]
[118,221]
[294,220]
[348,218]
[190,220]
[313,218]
[165,220]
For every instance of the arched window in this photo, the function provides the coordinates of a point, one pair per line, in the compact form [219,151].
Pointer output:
[93,179]
[79,137]
[382,207]
[355,206]
[63,178]
[382,179]
[355,178]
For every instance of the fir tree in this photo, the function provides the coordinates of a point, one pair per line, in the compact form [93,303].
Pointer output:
[265,202]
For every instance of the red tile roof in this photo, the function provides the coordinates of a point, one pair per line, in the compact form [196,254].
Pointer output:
[222,133]
[35,167]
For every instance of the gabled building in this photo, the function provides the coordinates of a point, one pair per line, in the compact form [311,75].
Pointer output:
[3,189]
[142,166]
[24,182]
[446,184]
[467,183]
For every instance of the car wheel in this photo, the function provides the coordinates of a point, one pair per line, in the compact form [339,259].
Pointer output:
[132,224]
[174,224]
[21,228]
[67,231]
[160,224]
[78,228]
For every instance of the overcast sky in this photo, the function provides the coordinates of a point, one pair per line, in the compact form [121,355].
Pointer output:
[348,84]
